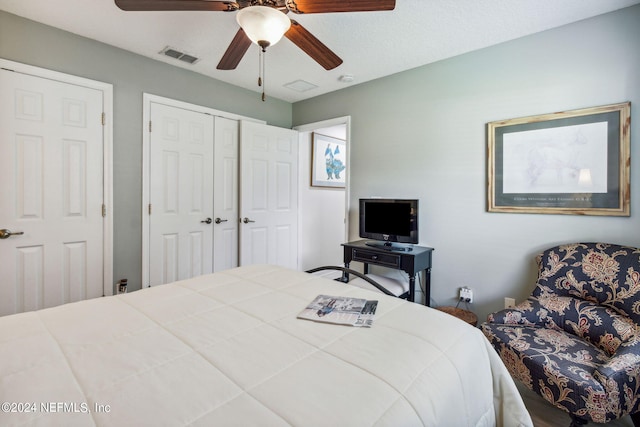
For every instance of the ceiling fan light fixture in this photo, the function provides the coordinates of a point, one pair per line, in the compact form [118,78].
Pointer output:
[264,25]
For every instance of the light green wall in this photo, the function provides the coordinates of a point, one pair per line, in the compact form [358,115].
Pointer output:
[31,43]
[421,133]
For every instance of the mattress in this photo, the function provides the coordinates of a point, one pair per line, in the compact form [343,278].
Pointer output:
[227,350]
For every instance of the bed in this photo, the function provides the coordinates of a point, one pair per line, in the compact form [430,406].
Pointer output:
[227,349]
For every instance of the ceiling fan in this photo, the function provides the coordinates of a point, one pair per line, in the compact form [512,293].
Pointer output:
[253,16]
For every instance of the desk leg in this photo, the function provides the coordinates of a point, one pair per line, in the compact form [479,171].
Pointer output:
[412,288]
[427,287]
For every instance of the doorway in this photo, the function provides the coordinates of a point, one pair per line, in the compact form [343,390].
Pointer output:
[323,211]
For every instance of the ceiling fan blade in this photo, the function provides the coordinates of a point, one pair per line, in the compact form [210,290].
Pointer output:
[325,6]
[313,47]
[162,5]
[235,51]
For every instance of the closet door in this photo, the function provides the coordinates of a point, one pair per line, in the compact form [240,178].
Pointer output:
[180,195]
[268,195]
[225,195]
[203,166]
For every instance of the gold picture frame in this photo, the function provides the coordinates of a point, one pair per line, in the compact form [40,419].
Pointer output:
[571,162]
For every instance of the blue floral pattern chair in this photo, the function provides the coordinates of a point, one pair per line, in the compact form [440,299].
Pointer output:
[576,339]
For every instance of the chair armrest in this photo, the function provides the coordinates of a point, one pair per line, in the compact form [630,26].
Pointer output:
[624,365]
[525,313]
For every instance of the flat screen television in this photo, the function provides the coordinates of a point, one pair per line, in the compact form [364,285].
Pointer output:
[388,221]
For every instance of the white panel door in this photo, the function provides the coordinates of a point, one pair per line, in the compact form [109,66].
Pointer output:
[225,194]
[180,194]
[268,195]
[51,179]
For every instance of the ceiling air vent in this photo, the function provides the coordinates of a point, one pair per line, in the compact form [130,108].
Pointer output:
[184,57]
[300,86]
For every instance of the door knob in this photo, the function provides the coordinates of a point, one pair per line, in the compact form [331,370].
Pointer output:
[219,221]
[247,220]
[206,221]
[5,234]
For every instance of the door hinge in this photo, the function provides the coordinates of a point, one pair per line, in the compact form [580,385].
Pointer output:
[149,208]
[104,119]
[149,125]
[104,210]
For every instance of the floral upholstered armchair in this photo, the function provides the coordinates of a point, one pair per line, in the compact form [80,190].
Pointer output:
[576,339]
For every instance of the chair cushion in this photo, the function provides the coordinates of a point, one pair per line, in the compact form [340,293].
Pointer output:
[599,325]
[564,370]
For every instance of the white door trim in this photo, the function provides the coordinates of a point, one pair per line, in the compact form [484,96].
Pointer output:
[147,99]
[107,131]
[344,120]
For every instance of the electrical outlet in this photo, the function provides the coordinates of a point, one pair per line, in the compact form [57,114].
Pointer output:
[466,294]
[509,302]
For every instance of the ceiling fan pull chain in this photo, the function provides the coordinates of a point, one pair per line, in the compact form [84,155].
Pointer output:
[263,74]
[261,54]
[260,63]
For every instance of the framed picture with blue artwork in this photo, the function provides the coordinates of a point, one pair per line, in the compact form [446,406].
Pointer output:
[328,161]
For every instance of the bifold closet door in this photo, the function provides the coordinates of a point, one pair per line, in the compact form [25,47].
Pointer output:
[268,195]
[225,194]
[222,192]
[180,195]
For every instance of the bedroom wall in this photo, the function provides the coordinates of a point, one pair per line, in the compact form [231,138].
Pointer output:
[32,43]
[421,133]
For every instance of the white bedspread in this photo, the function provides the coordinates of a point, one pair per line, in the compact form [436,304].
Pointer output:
[227,349]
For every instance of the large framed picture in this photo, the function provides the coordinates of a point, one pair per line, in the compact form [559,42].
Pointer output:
[572,162]
[328,161]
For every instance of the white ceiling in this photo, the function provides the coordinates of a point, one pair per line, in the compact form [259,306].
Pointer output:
[372,44]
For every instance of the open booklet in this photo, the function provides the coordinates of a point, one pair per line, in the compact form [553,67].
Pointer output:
[340,310]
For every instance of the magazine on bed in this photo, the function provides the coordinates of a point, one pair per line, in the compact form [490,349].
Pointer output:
[341,310]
